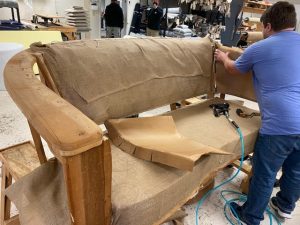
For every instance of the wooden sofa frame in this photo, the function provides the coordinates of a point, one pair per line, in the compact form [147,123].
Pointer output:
[76,141]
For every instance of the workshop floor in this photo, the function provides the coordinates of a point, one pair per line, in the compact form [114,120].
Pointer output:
[14,129]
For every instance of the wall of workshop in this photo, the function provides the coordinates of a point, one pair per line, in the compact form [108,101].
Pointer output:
[128,13]
[49,7]
[54,7]
[57,7]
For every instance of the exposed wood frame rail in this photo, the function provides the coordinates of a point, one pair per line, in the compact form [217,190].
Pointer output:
[73,138]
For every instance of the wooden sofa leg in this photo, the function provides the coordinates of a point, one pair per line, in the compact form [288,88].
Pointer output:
[38,144]
[245,183]
[88,179]
[13,221]
[173,106]
[5,202]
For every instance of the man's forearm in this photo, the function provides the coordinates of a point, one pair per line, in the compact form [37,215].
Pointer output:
[230,66]
[228,63]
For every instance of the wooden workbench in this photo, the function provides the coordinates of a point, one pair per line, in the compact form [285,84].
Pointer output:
[260,7]
[68,31]
[253,10]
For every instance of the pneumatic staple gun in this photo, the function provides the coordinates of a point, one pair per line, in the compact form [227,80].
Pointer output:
[223,109]
[220,109]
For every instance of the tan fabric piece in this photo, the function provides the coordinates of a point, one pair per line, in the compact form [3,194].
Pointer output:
[236,85]
[156,139]
[255,36]
[41,197]
[90,74]
[142,191]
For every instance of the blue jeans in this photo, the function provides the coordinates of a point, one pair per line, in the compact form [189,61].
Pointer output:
[270,154]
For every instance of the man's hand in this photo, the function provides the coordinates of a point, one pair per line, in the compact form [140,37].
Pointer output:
[221,56]
[228,63]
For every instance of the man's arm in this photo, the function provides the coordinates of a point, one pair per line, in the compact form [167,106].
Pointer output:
[161,12]
[229,64]
[150,13]
[106,13]
[121,16]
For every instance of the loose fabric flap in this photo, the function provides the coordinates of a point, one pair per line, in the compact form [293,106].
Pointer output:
[234,84]
[41,197]
[156,139]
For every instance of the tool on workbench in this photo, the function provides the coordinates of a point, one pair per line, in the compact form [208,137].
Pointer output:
[241,113]
[48,21]
[223,109]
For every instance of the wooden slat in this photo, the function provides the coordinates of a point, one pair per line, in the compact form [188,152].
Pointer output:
[194,100]
[5,202]
[173,106]
[38,145]
[20,159]
[88,181]
[246,181]
[66,129]
[45,74]
[246,168]
[253,10]
[13,221]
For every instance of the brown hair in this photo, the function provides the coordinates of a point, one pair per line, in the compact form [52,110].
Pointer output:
[281,15]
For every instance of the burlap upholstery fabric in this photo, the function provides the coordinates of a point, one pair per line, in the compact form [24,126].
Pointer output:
[143,192]
[115,78]
[238,85]
[38,194]
[255,36]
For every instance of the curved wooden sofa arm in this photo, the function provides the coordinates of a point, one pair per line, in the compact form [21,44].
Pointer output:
[73,138]
[66,129]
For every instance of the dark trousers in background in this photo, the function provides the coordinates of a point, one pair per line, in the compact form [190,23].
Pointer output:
[152,33]
[113,32]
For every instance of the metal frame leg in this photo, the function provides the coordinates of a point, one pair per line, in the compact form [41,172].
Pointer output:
[12,13]
[18,14]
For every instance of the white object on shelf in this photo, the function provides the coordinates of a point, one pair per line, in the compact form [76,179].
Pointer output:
[7,50]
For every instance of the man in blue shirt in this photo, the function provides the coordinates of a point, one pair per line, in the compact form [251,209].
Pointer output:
[275,63]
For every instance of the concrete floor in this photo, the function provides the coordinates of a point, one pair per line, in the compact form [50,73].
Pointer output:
[14,129]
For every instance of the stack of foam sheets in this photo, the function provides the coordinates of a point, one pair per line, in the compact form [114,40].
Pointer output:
[79,18]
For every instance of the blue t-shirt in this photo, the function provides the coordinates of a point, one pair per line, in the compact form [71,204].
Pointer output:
[275,63]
